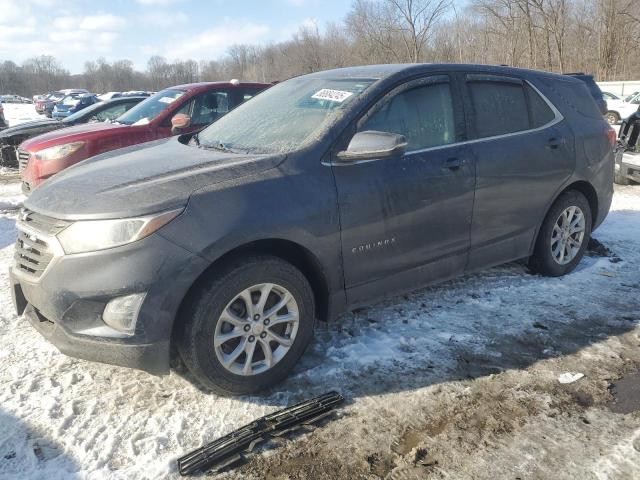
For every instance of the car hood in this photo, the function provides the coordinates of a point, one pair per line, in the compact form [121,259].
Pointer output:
[31,127]
[73,133]
[140,180]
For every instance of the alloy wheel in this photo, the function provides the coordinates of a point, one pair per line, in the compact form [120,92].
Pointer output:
[567,235]
[256,329]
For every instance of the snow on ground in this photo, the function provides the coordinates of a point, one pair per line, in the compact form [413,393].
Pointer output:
[454,381]
[16,113]
[11,196]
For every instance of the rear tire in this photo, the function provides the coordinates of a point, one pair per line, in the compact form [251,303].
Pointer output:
[218,309]
[563,236]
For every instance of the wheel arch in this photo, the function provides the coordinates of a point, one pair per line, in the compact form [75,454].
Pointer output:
[287,250]
[584,188]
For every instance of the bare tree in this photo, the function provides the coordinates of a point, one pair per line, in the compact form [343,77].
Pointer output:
[595,36]
[415,20]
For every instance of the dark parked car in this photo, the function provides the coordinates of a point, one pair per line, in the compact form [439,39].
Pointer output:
[192,106]
[72,104]
[594,89]
[325,192]
[627,168]
[98,112]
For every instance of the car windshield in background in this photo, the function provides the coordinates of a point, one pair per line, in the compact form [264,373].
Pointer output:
[71,101]
[81,113]
[285,117]
[150,108]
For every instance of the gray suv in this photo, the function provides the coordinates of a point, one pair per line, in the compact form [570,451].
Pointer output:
[324,192]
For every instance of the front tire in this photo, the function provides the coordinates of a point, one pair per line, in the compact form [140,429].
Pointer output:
[245,328]
[563,236]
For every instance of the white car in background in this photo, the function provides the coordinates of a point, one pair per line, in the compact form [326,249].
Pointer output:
[618,109]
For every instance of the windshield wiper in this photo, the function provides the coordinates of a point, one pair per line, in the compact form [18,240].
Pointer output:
[216,146]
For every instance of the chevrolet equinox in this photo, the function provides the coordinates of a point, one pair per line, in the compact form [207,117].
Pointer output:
[324,192]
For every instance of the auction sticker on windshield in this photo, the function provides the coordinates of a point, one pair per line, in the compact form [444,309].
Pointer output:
[168,99]
[332,95]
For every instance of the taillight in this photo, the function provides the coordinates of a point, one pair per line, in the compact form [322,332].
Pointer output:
[612,136]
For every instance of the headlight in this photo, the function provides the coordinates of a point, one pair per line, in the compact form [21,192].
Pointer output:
[92,235]
[58,152]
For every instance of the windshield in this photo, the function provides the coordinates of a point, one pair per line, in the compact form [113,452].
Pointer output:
[150,108]
[70,101]
[81,113]
[285,117]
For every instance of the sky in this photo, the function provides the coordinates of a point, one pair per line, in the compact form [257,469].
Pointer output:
[75,31]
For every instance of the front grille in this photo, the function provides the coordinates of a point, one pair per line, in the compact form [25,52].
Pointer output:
[34,251]
[23,158]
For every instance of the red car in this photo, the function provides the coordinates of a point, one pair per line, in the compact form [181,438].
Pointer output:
[175,110]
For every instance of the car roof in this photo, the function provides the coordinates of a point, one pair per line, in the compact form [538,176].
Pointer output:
[213,85]
[403,70]
[387,70]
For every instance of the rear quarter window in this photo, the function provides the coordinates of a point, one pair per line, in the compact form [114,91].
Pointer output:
[573,95]
[541,112]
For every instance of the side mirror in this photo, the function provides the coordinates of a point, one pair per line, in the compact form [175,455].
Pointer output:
[372,145]
[180,121]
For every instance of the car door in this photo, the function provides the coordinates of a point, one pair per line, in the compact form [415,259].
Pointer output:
[523,153]
[406,221]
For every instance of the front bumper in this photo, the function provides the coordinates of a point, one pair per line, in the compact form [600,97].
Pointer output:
[152,357]
[628,165]
[65,304]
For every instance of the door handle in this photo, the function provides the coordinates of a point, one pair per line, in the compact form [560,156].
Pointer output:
[454,163]
[554,142]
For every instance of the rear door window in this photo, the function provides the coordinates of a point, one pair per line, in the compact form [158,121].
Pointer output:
[504,105]
[499,107]
[423,114]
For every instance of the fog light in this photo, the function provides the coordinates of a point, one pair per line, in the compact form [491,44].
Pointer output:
[121,313]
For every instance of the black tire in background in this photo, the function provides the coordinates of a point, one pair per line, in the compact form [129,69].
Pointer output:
[612,118]
[203,309]
[542,261]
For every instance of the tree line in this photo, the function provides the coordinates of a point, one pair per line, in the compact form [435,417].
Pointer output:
[600,37]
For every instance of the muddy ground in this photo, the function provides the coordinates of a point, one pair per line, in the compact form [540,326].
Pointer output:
[520,424]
